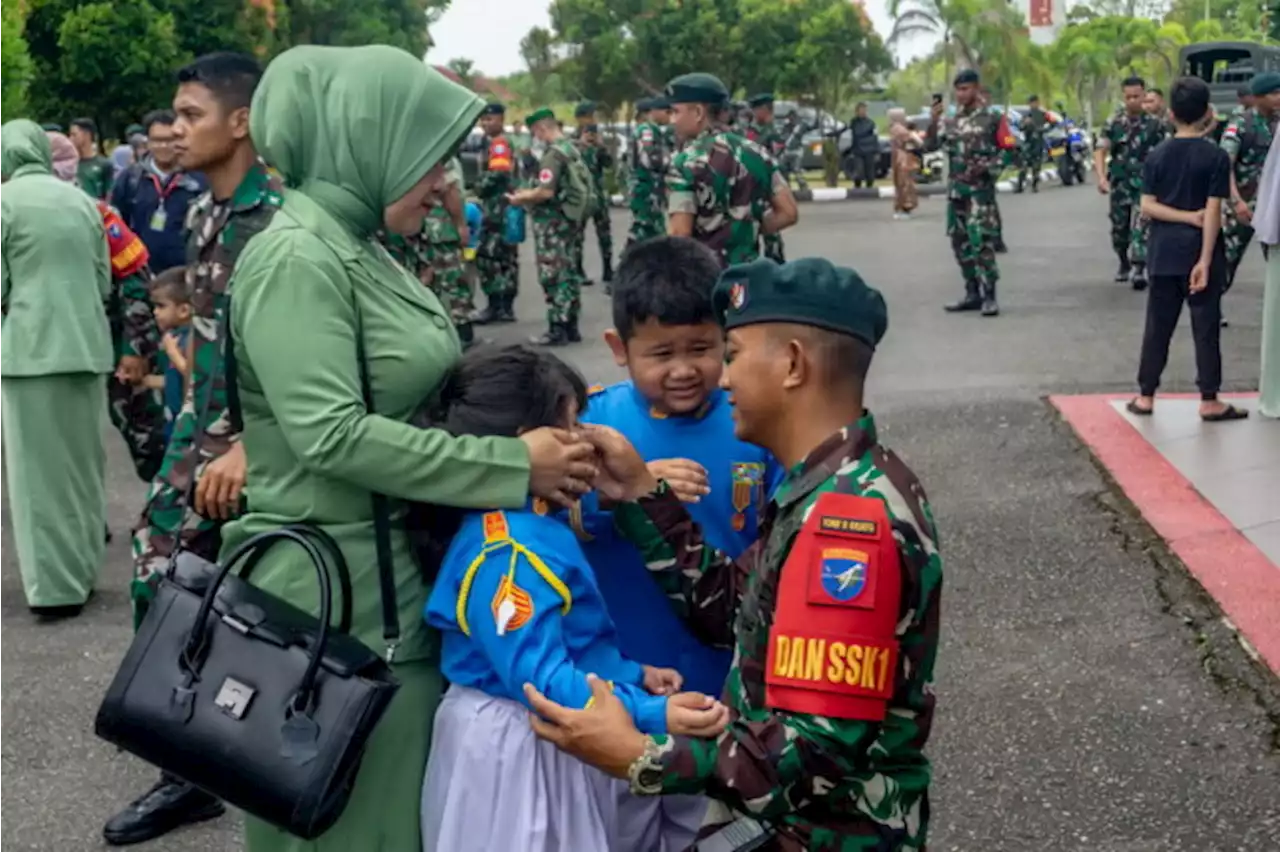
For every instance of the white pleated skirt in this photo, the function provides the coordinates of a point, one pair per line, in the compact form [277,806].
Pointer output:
[491,784]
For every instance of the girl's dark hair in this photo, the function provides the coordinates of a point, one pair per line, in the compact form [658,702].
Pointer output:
[492,392]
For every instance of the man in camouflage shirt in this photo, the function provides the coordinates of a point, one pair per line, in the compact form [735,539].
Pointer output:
[1034,125]
[975,140]
[95,173]
[712,195]
[1128,136]
[808,758]
[201,480]
[557,237]
[497,261]
[651,152]
[763,131]
[599,159]
[1247,139]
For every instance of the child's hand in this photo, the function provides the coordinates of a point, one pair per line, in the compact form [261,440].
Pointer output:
[622,476]
[687,478]
[172,347]
[1195,218]
[693,714]
[1199,277]
[662,681]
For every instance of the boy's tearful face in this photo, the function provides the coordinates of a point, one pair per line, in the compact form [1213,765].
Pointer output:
[675,367]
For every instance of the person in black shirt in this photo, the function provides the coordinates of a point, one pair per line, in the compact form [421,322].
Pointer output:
[1184,182]
[864,147]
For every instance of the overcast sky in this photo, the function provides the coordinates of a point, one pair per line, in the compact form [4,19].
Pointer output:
[488,32]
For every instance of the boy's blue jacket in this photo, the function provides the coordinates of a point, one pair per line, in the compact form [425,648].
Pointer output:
[742,476]
[517,603]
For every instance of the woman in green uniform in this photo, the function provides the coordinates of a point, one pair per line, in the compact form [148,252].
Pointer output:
[57,354]
[359,136]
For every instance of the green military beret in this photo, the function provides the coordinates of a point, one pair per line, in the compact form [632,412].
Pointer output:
[660,102]
[493,108]
[584,109]
[644,104]
[966,76]
[51,127]
[696,88]
[762,99]
[135,130]
[810,291]
[538,115]
[1265,83]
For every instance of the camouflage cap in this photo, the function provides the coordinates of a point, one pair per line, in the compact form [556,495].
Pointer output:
[538,115]
[762,99]
[494,108]
[584,109]
[1264,84]
[810,291]
[696,88]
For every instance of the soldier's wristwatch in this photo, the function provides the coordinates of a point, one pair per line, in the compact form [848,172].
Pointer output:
[645,772]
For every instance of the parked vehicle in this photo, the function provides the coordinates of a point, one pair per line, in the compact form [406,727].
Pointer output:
[1226,66]
[1068,151]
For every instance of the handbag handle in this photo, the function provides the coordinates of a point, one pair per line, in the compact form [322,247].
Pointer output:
[340,566]
[191,651]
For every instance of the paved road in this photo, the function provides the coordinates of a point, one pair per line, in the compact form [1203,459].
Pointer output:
[1089,700]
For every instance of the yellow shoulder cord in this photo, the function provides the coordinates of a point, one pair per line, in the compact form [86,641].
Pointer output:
[517,550]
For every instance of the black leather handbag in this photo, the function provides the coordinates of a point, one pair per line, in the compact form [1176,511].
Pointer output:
[246,696]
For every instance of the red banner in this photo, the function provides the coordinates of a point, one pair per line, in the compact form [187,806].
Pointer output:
[1040,13]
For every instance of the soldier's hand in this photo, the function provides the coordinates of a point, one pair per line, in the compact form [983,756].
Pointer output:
[220,486]
[937,110]
[1104,185]
[687,478]
[464,234]
[602,734]
[561,465]
[662,681]
[696,715]
[623,475]
[1243,213]
[132,369]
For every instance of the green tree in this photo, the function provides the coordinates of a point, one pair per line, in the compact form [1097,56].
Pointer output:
[213,25]
[401,23]
[16,68]
[464,68]
[834,56]
[537,49]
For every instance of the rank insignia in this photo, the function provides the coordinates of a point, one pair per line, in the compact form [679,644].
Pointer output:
[495,527]
[747,477]
[844,573]
[738,295]
[512,606]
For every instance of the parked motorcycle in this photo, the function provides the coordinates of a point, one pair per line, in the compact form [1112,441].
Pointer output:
[1067,150]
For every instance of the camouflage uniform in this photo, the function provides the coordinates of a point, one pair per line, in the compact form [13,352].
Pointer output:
[1033,128]
[557,239]
[136,412]
[497,261]
[975,140]
[96,175]
[202,431]
[824,784]
[1129,139]
[710,180]
[651,154]
[767,137]
[1246,140]
[598,159]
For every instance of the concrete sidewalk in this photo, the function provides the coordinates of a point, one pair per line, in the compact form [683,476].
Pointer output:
[1210,490]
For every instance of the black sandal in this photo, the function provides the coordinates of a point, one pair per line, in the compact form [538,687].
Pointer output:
[1133,408]
[1228,413]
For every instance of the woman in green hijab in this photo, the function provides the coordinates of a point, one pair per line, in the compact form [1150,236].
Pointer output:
[360,136]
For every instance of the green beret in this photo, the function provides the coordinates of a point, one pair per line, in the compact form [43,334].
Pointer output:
[493,108]
[762,99]
[660,102]
[1265,83]
[696,88]
[538,115]
[135,130]
[584,109]
[51,127]
[811,291]
[968,75]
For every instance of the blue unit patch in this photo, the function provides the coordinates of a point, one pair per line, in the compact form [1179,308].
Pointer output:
[844,573]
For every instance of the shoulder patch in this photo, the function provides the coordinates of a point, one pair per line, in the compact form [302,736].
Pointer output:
[545,176]
[495,527]
[512,606]
[595,389]
[844,572]
[839,524]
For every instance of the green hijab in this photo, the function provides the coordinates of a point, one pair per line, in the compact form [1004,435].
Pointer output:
[24,149]
[354,128]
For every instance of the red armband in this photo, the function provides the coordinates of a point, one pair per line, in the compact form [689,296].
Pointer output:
[1004,136]
[833,647]
[128,253]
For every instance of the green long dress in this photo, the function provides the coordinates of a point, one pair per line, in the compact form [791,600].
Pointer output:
[352,130]
[57,353]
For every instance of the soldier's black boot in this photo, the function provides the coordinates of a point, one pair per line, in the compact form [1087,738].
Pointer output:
[555,335]
[571,332]
[1122,273]
[467,335]
[507,308]
[607,275]
[989,306]
[971,301]
[491,312]
[998,246]
[1139,279]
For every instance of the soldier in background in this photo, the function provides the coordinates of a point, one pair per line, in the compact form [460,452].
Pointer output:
[830,699]
[975,140]
[1127,136]
[651,154]
[497,261]
[1247,139]
[1034,125]
[763,131]
[598,159]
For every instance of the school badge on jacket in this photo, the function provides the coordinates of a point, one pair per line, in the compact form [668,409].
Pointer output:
[748,487]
